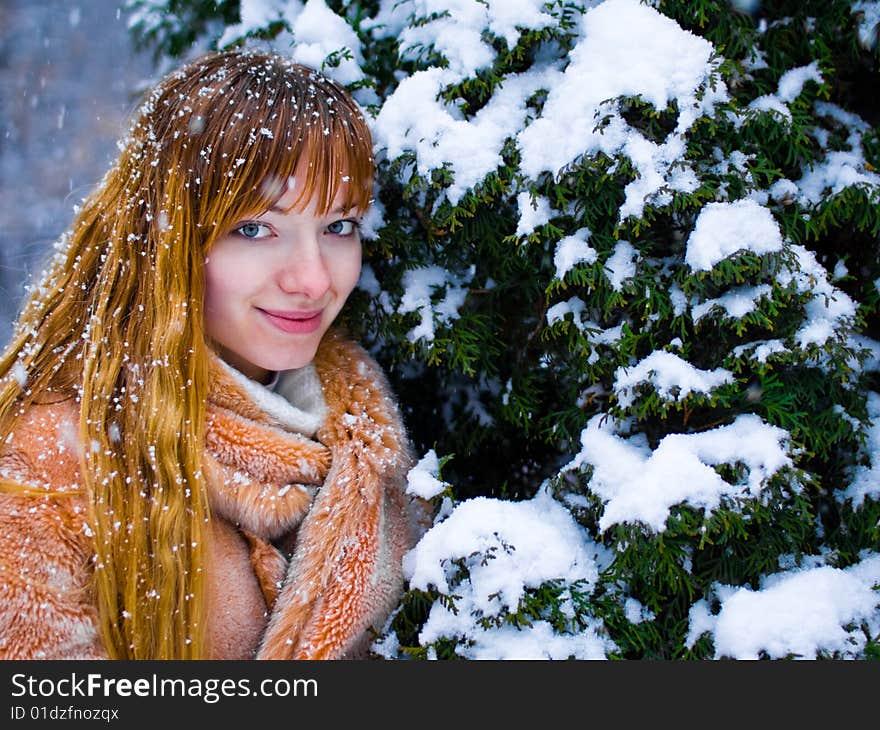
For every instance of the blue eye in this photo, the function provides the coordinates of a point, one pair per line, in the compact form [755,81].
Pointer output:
[345,227]
[254,230]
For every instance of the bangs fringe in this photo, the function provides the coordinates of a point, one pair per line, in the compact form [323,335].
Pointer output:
[245,153]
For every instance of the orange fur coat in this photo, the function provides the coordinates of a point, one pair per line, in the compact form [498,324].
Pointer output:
[332,498]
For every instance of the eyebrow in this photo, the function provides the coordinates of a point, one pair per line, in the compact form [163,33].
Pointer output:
[339,210]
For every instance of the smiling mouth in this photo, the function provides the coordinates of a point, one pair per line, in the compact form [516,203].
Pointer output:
[293,322]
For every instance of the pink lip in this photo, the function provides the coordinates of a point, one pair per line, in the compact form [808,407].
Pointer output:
[298,323]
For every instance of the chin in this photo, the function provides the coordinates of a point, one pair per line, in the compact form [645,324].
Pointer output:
[294,362]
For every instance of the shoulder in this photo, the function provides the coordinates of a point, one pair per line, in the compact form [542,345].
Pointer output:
[48,533]
[45,540]
[43,449]
[46,608]
[42,454]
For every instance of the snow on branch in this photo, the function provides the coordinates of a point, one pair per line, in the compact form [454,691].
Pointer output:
[671,377]
[798,613]
[419,288]
[640,485]
[866,479]
[457,29]
[505,549]
[625,49]
[724,229]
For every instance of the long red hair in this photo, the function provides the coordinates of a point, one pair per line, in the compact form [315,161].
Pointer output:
[116,320]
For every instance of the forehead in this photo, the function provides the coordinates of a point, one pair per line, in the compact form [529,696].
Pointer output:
[294,199]
[318,180]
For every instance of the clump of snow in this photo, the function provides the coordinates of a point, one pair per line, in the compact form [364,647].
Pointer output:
[539,641]
[829,309]
[678,299]
[533,212]
[661,170]
[870,350]
[791,83]
[865,482]
[573,250]
[506,547]
[315,32]
[671,377]
[368,281]
[783,190]
[868,22]
[799,613]
[593,331]
[412,119]
[735,303]
[319,32]
[638,485]
[622,48]
[771,103]
[254,15]
[735,163]
[456,28]
[723,229]
[635,612]
[372,221]
[574,306]
[419,287]
[621,265]
[422,481]
[839,169]
[760,350]
[625,49]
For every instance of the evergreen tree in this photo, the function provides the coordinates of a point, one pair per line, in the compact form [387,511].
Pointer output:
[625,254]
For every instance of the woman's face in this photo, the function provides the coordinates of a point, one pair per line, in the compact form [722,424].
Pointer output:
[276,282]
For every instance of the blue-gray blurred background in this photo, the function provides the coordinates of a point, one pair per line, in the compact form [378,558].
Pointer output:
[69,79]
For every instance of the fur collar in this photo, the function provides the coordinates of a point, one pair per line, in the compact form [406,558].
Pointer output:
[341,490]
[294,401]
[262,465]
[346,572]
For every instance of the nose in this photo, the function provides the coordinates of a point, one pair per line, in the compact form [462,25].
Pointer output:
[304,270]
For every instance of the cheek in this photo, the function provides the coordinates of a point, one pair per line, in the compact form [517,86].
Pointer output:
[227,278]
[347,270]
[216,283]
[230,272]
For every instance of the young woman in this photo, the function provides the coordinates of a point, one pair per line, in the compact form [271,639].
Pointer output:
[194,463]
